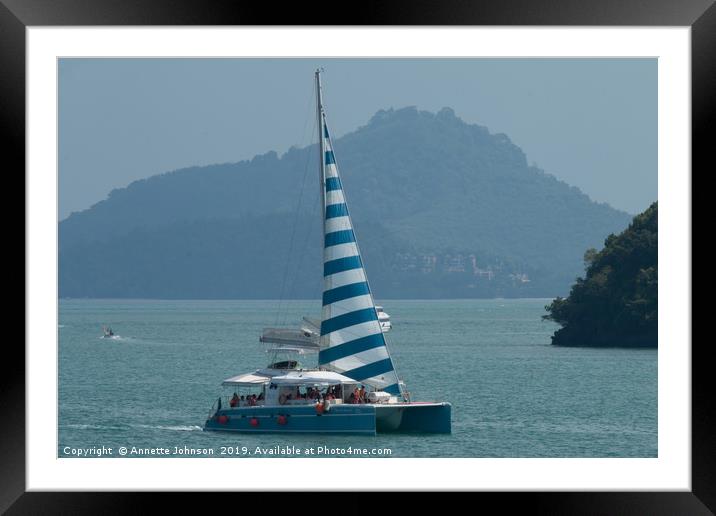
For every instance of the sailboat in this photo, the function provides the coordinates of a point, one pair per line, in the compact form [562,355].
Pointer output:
[354,387]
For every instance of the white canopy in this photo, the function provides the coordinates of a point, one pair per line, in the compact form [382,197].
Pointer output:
[249,379]
[292,349]
[303,338]
[312,378]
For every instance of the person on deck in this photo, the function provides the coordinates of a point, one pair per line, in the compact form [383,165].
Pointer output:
[234,400]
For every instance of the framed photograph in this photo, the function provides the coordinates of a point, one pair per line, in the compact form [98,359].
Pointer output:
[199,314]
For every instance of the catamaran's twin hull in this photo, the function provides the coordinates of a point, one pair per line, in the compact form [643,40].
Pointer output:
[340,419]
[428,418]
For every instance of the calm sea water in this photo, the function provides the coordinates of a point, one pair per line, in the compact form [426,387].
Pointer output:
[512,393]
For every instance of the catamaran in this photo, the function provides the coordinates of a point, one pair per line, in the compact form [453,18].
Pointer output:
[354,388]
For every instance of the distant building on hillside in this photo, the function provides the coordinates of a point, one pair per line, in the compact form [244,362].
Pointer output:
[453,263]
[519,277]
[484,273]
[456,263]
[428,263]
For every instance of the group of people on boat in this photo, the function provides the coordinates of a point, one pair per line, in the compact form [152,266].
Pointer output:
[358,395]
[312,394]
[250,400]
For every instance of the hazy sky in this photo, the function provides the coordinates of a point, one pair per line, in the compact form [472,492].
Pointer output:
[589,122]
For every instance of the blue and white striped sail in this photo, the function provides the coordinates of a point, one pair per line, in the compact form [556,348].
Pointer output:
[352,342]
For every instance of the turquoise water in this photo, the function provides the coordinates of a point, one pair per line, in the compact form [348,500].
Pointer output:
[512,394]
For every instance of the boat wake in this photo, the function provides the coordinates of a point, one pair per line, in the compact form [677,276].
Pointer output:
[176,428]
[93,427]
[115,337]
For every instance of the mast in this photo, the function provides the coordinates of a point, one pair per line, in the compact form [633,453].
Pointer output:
[321,151]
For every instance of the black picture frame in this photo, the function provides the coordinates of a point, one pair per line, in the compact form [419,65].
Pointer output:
[700,15]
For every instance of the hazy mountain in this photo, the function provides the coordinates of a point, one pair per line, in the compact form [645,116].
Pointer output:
[441,208]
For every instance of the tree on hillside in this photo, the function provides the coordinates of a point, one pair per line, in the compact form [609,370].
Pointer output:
[616,303]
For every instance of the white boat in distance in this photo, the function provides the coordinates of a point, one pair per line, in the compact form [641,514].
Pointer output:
[310,331]
[354,387]
[383,319]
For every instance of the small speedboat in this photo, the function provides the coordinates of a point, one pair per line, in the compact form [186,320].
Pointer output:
[107,332]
